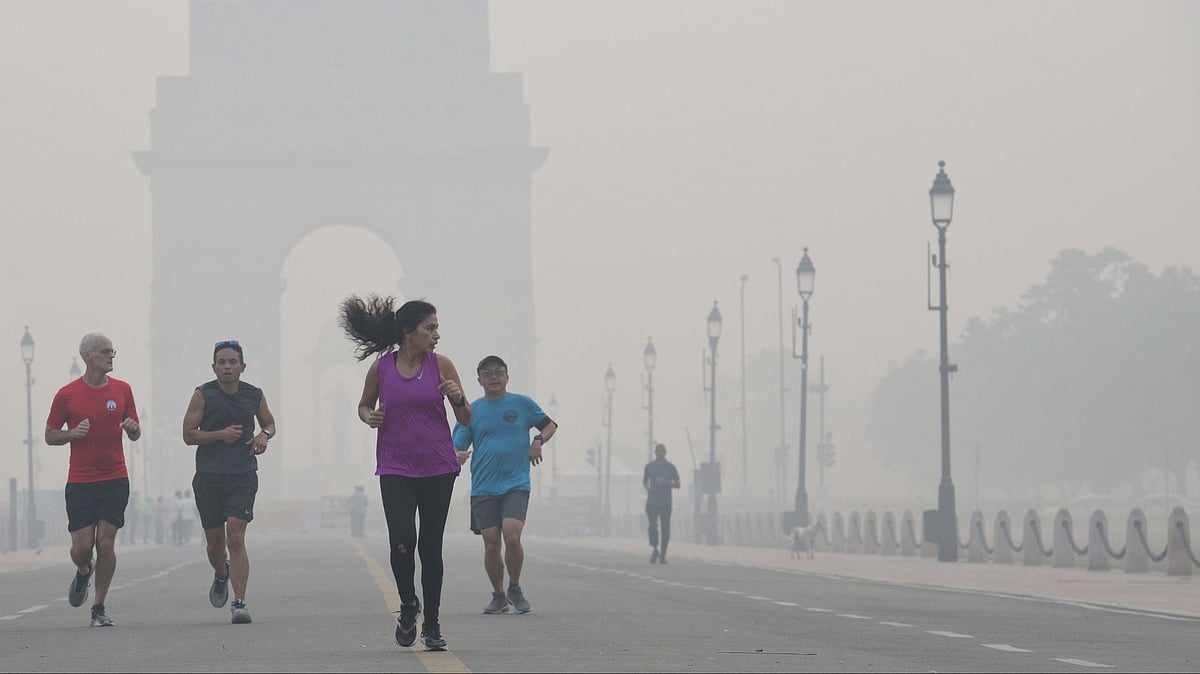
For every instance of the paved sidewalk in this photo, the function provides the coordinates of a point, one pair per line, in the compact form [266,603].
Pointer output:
[1156,592]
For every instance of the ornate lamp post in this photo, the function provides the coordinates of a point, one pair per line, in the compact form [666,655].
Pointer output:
[712,470]
[610,384]
[31,511]
[805,277]
[649,358]
[941,205]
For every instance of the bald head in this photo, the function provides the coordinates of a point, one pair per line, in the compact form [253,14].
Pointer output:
[93,342]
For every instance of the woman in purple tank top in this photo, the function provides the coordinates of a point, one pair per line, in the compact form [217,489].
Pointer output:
[404,398]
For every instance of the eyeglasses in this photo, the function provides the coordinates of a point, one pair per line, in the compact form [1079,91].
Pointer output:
[107,352]
[492,373]
[226,342]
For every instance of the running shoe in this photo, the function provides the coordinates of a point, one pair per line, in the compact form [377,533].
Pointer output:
[431,636]
[654,556]
[239,614]
[662,559]
[406,624]
[218,594]
[77,593]
[499,604]
[100,618]
[517,597]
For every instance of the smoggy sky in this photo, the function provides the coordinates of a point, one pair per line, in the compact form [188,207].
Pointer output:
[690,143]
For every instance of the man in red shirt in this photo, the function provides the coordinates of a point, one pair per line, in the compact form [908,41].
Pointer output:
[96,409]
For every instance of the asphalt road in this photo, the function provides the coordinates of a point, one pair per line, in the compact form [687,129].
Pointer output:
[324,602]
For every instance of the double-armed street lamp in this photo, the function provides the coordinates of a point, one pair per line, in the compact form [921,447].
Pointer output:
[649,359]
[30,512]
[610,384]
[711,471]
[945,528]
[805,277]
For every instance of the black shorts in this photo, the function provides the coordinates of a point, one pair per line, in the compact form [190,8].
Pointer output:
[487,512]
[90,502]
[219,497]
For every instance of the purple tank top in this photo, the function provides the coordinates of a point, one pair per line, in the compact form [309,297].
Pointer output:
[414,439]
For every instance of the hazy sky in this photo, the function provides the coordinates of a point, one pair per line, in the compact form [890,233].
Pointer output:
[690,142]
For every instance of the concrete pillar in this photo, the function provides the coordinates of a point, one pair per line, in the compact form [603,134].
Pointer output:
[1097,533]
[1179,562]
[1001,533]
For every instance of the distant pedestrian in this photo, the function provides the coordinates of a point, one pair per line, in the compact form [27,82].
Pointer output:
[162,512]
[177,518]
[358,511]
[499,432]
[96,409]
[404,398]
[659,478]
[220,422]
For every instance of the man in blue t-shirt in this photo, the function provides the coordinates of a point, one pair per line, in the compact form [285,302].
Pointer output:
[499,431]
[659,478]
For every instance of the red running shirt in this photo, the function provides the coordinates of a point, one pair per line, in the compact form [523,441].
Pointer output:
[99,455]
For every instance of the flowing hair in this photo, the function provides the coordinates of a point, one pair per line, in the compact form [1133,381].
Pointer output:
[375,326]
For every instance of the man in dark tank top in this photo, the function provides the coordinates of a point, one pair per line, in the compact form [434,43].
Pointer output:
[220,422]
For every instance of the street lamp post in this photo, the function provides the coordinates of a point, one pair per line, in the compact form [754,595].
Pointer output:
[31,511]
[941,205]
[745,460]
[781,451]
[805,276]
[712,471]
[610,383]
[553,409]
[649,358]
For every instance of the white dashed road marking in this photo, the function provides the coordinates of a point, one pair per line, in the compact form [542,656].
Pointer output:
[1006,648]
[1082,663]
[34,609]
[785,603]
[9,617]
[855,616]
[817,610]
[892,624]
[952,635]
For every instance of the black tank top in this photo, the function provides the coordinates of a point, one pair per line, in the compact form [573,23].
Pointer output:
[221,410]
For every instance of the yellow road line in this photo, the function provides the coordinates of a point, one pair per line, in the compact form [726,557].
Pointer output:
[434,661]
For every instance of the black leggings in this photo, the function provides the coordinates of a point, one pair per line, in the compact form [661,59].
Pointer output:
[403,497]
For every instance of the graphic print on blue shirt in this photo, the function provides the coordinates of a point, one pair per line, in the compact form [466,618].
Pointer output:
[499,431]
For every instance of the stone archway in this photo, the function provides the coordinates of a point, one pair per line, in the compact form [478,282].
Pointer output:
[296,116]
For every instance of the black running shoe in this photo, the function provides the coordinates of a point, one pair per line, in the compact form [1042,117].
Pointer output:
[406,624]
[218,593]
[77,593]
[431,636]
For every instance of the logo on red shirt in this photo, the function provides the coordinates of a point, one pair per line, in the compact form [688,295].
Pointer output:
[111,406]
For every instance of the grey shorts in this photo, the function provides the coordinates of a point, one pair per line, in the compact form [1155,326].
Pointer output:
[488,511]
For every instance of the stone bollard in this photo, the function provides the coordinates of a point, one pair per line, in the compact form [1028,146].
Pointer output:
[1179,562]
[854,541]
[908,534]
[1031,539]
[839,533]
[1001,537]
[976,546]
[1137,557]
[870,534]
[1097,550]
[888,546]
[1064,545]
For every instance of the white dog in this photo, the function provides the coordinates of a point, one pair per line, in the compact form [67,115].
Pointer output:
[805,538]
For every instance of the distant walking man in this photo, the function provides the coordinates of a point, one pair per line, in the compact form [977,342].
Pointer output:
[95,409]
[659,478]
[499,431]
[220,422]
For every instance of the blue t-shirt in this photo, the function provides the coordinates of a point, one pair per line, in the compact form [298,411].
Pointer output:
[499,431]
[659,494]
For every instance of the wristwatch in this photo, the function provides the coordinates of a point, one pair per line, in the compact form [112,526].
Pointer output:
[267,433]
